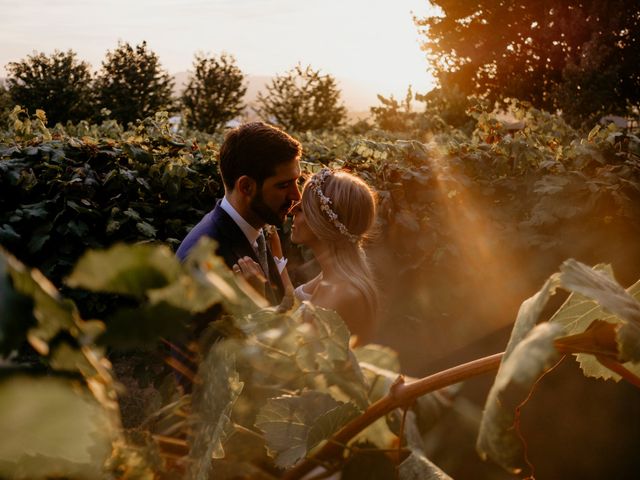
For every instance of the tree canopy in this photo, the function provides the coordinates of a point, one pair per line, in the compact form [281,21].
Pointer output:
[132,84]
[214,93]
[579,56]
[302,99]
[5,101]
[59,84]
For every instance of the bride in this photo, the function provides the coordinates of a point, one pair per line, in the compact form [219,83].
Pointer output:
[336,213]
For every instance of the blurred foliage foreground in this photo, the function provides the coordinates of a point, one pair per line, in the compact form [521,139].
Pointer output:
[469,226]
[274,397]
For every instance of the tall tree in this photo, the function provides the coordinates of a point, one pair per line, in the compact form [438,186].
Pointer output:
[6,103]
[214,93]
[132,84]
[557,55]
[59,84]
[302,99]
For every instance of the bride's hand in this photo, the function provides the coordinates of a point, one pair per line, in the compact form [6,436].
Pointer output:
[251,271]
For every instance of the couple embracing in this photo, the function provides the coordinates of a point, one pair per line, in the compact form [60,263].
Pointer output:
[260,169]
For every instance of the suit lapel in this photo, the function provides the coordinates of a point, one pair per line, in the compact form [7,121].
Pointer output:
[233,245]
[233,242]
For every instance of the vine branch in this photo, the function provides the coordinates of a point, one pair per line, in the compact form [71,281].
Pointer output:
[401,394]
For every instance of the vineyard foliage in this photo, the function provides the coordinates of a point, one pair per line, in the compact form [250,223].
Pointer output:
[272,381]
[468,223]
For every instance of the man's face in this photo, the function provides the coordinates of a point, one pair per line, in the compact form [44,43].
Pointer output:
[279,193]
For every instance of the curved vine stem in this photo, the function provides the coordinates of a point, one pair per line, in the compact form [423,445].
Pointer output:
[401,394]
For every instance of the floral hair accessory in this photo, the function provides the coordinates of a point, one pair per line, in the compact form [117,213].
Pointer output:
[315,184]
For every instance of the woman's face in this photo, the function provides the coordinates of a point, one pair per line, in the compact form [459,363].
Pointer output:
[301,234]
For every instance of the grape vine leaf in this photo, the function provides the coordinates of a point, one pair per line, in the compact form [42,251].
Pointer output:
[210,273]
[579,312]
[528,360]
[613,298]
[51,311]
[143,326]
[294,424]
[56,429]
[417,466]
[213,400]
[125,269]
[325,348]
[15,311]
[378,355]
[529,313]
[529,353]
[330,422]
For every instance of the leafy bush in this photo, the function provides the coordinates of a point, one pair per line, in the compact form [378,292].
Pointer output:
[64,193]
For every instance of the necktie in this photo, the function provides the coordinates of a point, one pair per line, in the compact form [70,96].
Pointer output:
[262,253]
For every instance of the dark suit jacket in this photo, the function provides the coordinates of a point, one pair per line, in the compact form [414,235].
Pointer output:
[232,245]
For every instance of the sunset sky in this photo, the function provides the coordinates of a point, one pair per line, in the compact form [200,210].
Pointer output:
[371,42]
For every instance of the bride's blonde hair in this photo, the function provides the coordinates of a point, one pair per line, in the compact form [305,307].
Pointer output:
[343,222]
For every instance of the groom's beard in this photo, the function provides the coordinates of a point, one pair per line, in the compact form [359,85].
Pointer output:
[266,213]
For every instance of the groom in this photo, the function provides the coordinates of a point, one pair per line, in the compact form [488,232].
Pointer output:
[259,165]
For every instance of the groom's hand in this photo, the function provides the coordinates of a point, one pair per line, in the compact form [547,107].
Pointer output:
[251,271]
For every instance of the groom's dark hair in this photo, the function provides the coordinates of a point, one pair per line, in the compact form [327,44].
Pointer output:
[255,149]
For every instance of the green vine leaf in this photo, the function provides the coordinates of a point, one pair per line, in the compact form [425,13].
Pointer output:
[330,422]
[293,424]
[579,312]
[51,311]
[529,313]
[613,298]
[417,466]
[325,348]
[143,326]
[529,353]
[16,316]
[125,269]
[529,359]
[55,425]
[213,400]
[379,356]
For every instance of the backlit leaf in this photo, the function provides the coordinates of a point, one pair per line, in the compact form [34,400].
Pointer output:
[529,359]
[417,466]
[210,421]
[125,269]
[52,312]
[529,313]
[141,327]
[613,298]
[55,429]
[16,309]
[330,422]
[292,423]
[579,312]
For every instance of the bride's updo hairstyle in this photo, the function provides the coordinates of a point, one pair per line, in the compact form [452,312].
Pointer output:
[340,210]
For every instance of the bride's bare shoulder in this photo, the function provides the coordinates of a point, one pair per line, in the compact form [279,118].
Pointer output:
[334,295]
[350,304]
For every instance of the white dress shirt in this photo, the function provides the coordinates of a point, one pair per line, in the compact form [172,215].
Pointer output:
[249,232]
